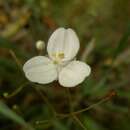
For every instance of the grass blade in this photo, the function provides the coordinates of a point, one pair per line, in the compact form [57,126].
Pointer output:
[4,110]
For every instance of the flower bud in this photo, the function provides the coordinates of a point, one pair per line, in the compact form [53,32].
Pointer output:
[40,45]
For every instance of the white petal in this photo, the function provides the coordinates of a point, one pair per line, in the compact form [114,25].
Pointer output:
[74,73]
[40,69]
[63,41]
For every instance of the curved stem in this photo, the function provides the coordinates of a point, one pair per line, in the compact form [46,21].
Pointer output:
[19,89]
[62,116]
[84,109]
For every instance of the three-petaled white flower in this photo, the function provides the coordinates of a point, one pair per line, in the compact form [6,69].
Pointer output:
[60,64]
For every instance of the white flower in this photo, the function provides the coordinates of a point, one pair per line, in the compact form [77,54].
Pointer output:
[60,64]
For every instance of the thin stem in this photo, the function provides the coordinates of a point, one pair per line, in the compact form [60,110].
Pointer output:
[62,116]
[19,89]
[79,122]
[85,109]
[40,52]
[15,59]
[90,107]
[70,100]
[46,100]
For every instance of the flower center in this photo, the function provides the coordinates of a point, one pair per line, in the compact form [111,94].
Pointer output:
[58,57]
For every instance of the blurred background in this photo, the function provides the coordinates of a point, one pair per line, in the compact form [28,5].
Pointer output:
[103,28]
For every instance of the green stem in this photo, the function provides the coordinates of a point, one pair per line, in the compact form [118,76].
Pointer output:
[62,116]
[19,89]
[73,114]
[39,91]
[79,122]
[70,100]
[16,60]
[85,109]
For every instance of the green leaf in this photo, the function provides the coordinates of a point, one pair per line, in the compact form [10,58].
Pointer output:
[7,112]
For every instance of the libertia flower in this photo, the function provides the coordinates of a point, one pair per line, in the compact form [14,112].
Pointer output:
[60,64]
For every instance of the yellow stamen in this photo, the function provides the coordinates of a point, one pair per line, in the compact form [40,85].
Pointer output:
[61,55]
[58,57]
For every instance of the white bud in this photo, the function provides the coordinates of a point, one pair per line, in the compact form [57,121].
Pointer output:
[40,45]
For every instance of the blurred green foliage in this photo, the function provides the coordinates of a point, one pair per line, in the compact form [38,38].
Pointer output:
[23,22]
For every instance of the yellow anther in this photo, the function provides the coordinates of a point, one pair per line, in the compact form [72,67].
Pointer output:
[61,55]
[58,55]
